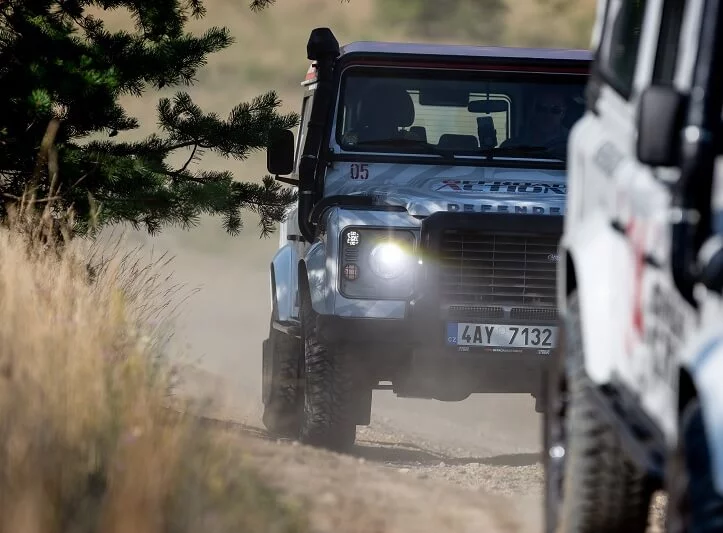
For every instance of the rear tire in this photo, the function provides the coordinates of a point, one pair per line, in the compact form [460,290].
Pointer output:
[601,490]
[280,390]
[329,419]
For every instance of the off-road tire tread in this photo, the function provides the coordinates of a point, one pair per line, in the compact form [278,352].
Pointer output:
[603,491]
[282,413]
[329,417]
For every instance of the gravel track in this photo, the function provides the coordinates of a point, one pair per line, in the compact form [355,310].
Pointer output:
[422,465]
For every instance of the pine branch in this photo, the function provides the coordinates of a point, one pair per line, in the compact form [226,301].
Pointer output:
[260,5]
[54,55]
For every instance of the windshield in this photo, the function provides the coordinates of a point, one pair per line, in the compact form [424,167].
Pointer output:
[483,114]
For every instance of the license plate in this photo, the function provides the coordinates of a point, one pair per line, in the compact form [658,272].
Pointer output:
[501,335]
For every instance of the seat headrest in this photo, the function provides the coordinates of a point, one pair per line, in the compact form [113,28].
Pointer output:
[486,132]
[458,142]
[388,104]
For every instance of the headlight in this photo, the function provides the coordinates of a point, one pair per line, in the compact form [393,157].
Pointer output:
[388,260]
[376,263]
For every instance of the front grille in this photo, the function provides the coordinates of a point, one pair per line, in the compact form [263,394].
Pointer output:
[474,312]
[489,269]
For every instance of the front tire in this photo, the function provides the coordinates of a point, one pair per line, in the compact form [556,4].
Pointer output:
[329,407]
[280,389]
[590,486]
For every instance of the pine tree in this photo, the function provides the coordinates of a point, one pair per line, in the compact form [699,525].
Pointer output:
[61,75]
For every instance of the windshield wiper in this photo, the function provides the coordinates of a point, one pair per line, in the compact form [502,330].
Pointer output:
[412,143]
[522,149]
[425,147]
[518,148]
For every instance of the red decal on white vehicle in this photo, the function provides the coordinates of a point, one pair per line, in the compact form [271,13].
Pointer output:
[636,233]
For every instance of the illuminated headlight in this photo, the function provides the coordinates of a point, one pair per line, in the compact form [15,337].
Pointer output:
[388,260]
[377,263]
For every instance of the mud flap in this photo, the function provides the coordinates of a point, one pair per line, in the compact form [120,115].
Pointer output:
[363,412]
[266,366]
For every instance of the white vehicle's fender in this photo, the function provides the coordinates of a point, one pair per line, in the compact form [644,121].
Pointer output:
[284,282]
[598,289]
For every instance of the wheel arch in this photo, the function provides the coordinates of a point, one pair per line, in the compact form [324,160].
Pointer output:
[283,283]
[581,275]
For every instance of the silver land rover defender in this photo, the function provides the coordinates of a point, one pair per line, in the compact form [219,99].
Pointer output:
[421,254]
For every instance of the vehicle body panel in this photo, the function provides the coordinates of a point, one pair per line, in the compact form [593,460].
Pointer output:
[638,329]
[426,189]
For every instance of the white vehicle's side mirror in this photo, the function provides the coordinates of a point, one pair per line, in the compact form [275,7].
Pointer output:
[660,115]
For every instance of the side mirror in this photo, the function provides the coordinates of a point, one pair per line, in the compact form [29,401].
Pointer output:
[280,153]
[659,121]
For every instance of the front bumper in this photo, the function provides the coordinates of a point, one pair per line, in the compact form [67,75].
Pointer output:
[414,354]
[427,330]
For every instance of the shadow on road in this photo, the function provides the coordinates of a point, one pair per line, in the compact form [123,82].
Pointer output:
[232,425]
[410,454]
[398,454]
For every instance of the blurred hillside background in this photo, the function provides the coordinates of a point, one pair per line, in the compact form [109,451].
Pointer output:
[226,321]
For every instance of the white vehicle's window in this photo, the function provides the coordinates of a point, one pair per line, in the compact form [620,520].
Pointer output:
[472,114]
[621,41]
[666,56]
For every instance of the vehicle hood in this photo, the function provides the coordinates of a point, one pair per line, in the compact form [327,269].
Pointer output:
[424,190]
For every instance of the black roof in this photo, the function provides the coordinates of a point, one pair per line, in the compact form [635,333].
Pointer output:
[447,50]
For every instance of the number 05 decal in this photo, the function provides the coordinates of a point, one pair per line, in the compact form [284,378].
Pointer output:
[359,171]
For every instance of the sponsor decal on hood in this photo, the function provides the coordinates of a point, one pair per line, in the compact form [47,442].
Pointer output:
[426,189]
[482,186]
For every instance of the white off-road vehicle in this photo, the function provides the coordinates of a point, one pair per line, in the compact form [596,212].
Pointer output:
[421,255]
[635,398]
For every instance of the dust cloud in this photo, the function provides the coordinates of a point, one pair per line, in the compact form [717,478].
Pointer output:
[487,442]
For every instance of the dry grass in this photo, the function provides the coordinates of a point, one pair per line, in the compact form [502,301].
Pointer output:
[87,440]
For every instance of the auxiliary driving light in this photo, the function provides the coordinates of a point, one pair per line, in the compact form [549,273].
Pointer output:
[388,260]
[352,238]
[351,271]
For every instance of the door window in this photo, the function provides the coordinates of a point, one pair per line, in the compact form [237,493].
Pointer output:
[621,42]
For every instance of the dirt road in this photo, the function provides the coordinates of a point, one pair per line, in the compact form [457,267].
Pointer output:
[421,466]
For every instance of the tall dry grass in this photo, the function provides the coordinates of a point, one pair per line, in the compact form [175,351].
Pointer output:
[91,438]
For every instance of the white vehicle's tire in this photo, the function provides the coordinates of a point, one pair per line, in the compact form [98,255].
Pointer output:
[329,392]
[600,491]
[281,389]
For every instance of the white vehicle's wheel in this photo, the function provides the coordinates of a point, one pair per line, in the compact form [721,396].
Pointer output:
[694,506]
[329,415]
[590,485]
[281,390]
